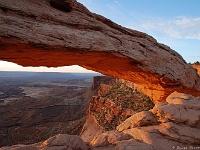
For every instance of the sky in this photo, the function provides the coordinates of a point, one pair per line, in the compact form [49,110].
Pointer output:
[175,23]
[9,66]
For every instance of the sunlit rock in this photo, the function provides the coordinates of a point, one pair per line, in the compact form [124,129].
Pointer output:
[60,33]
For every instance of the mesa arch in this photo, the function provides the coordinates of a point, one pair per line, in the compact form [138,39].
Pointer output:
[63,32]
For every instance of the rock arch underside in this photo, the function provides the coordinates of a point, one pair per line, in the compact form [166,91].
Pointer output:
[56,33]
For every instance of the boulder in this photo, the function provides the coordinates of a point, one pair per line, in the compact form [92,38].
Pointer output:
[173,124]
[58,142]
[90,129]
[110,137]
[143,118]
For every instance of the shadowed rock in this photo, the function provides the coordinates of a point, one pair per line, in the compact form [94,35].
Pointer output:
[173,124]
[58,142]
[60,33]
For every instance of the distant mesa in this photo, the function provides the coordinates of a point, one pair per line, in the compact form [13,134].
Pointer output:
[45,75]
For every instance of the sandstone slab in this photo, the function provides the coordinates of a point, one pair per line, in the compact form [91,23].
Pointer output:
[58,142]
[173,124]
[137,120]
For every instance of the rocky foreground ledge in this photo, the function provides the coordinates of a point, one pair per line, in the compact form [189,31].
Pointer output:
[173,124]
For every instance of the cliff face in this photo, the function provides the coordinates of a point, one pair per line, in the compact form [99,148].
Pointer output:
[174,124]
[102,83]
[117,100]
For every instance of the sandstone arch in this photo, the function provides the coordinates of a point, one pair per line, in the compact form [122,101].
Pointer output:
[42,33]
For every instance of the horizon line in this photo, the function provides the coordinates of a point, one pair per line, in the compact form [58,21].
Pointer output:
[48,71]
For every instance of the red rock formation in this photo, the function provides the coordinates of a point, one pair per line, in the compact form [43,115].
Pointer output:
[174,124]
[197,67]
[116,101]
[102,84]
[59,142]
[60,33]
[90,129]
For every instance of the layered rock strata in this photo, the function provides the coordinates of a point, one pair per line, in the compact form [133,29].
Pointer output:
[116,100]
[63,32]
[174,124]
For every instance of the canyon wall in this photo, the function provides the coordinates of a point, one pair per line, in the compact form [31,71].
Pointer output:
[174,124]
[115,101]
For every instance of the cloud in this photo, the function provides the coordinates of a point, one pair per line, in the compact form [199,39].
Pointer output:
[116,2]
[176,28]
[179,27]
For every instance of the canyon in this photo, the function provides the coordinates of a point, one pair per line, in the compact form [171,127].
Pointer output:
[115,122]
[35,106]
[56,33]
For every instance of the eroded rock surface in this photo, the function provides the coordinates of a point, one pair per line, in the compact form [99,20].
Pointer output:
[165,127]
[91,129]
[197,66]
[116,100]
[58,142]
[169,125]
[61,33]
